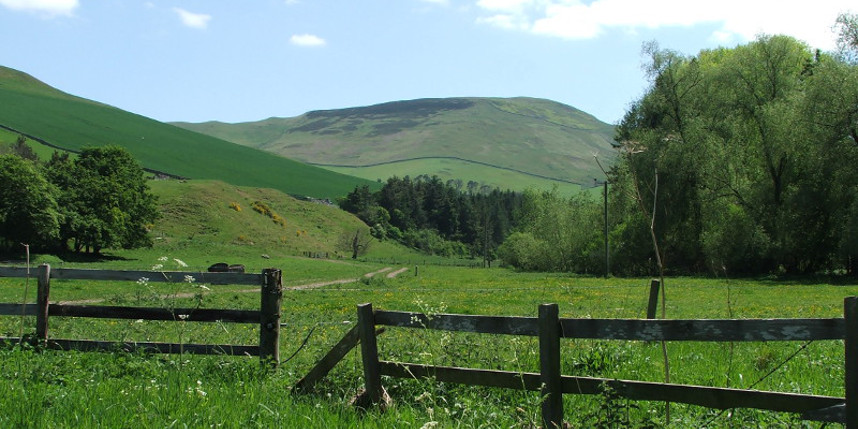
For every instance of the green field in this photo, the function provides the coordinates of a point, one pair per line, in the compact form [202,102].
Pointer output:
[35,109]
[451,169]
[118,389]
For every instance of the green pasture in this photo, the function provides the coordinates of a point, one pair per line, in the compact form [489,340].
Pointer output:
[72,123]
[119,389]
[451,169]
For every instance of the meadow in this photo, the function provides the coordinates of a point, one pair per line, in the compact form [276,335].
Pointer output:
[75,389]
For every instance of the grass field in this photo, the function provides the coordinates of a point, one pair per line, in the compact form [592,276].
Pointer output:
[448,169]
[72,123]
[116,389]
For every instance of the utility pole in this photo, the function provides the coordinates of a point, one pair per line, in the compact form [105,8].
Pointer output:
[607,253]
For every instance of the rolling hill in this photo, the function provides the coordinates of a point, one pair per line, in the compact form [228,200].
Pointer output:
[505,142]
[67,122]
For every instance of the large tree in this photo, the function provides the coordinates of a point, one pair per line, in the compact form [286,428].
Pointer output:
[28,208]
[742,158]
[105,199]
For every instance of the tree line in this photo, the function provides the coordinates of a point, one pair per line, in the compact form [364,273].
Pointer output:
[437,217]
[84,203]
[741,160]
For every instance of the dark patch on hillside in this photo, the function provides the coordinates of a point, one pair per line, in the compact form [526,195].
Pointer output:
[413,109]
[390,118]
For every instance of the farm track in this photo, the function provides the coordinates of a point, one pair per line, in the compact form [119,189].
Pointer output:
[390,275]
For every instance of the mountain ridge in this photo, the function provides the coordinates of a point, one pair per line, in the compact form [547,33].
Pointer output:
[532,136]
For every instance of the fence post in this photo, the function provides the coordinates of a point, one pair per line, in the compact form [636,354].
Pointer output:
[369,352]
[850,316]
[42,298]
[549,366]
[269,317]
[653,299]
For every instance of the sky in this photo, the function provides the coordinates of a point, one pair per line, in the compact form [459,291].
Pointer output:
[238,61]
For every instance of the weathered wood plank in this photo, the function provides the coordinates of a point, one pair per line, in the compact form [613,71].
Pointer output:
[16,272]
[850,315]
[712,397]
[549,366]
[146,313]
[10,309]
[458,322]
[42,302]
[835,414]
[170,348]
[369,353]
[705,330]
[202,277]
[652,305]
[269,317]
[469,376]
[329,361]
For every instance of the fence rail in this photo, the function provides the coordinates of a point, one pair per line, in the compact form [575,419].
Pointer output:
[552,384]
[268,316]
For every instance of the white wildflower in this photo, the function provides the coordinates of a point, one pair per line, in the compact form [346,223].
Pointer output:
[143,281]
[163,259]
[180,263]
[189,279]
[157,267]
[184,316]
[204,287]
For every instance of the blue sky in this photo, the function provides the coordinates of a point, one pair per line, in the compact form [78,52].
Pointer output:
[234,61]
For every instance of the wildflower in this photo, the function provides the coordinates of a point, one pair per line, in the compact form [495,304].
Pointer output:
[143,281]
[180,263]
[157,267]
[429,425]
[189,279]
[184,316]
[163,259]
[204,287]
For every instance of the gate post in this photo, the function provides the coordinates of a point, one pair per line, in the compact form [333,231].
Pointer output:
[42,303]
[549,366]
[269,317]
[369,353]
[850,316]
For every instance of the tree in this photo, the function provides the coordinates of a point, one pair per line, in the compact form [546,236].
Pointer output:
[752,154]
[28,207]
[105,199]
[357,243]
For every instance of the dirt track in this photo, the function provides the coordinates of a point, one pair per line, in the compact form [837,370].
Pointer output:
[390,275]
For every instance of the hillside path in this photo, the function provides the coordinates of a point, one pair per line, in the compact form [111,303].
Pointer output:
[306,286]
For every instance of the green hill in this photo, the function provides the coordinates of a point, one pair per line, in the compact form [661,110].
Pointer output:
[50,116]
[496,141]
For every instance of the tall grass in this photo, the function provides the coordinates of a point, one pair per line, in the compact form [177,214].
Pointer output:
[118,389]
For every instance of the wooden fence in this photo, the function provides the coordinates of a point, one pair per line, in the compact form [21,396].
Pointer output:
[552,384]
[268,316]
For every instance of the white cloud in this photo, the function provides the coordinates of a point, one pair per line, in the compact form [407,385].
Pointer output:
[739,20]
[193,20]
[307,40]
[49,7]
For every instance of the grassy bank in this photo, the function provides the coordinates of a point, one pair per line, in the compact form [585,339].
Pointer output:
[117,389]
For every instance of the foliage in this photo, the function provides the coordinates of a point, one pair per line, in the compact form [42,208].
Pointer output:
[104,201]
[556,234]
[752,148]
[436,217]
[28,207]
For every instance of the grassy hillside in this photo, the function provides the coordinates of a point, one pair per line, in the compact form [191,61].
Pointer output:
[549,142]
[212,219]
[35,109]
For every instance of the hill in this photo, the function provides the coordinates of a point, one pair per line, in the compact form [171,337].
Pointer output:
[67,122]
[506,142]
